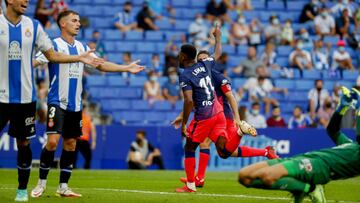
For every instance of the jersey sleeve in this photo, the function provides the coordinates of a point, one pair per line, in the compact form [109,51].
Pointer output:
[222,81]
[40,57]
[185,83]
[42,42]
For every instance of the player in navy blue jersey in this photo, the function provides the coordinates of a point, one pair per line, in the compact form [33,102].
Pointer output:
[233,123]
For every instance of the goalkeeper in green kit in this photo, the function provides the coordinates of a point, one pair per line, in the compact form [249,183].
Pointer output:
[303,175]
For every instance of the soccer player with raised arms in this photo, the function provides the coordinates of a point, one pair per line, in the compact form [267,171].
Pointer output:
[303,175]
[65,104]
[20,37]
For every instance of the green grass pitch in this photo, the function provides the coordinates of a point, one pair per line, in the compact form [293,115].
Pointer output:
[159,186]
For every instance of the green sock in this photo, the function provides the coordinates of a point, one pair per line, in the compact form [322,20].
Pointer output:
[285,183]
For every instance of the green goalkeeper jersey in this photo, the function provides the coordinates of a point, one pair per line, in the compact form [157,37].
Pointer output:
[342,160]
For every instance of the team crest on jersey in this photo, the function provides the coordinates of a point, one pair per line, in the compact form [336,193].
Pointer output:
[224,81]
[28,33]
[2,32]
[51,123]
[14,51]
[306,165]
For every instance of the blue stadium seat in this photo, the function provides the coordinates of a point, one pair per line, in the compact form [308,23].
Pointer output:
[164,24]
[179,105]
[116,81]
[101,23]
[296,5]
[108,2]
[276,5]
[228,49]
[279,96]
[311,74]
[238,82]
[182,25]
[114,57]
[180,3]
[170,116]
[265,16]
[275,74]
[331,39]
[287,107]
[145,47]
[110,105]
[235,60]
[350,75]
[160,46]
[95,80]
[298,96]
[128,93]
[258,5]
[329,84]
[125,46]
[285,83]
[128,116]
[111,11]
[140,105]
[89,11]
[198,3]
[109,46]
[53,33]
[154,35]
[137,81]
[134,35]
[304,84]
[175,36]
[82,2]
[282,61]
[249,15]
[144,58]
[242,50]
[284,50]
[155,117]
[163,106]
[113,35]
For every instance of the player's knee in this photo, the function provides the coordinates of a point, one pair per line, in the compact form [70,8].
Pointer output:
[51,144]
[70,144]
[22,143]
[267,178]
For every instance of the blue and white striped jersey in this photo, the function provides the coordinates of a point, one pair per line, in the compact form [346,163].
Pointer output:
[66,78]
[17,45]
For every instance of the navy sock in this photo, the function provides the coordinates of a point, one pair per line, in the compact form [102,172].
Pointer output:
[46,158]
[66,165]
[24,158]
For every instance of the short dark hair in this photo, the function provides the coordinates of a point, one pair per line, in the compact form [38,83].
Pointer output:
[203,52]
[189,51]
[6,3]
[142,132]
[255,104]
[318,80]
[128,3]
[64,14]
[298,107]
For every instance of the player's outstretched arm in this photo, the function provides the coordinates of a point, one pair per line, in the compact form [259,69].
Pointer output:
[218,47]
[86,58]
[178,120]
[234,106]
[188,106]
[133,67]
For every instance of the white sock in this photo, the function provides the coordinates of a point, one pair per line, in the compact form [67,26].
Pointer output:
[191,185]
[42,182]
[63,185]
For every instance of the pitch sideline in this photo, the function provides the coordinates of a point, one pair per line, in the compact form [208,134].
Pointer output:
[197,194]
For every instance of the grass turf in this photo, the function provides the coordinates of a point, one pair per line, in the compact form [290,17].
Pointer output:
[132,186]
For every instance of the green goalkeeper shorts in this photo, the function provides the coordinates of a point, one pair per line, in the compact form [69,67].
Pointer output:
[308,170]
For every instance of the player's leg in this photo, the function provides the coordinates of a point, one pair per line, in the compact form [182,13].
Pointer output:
[22,127]
[72,131]
[87,154]
[55,121]
[333,128]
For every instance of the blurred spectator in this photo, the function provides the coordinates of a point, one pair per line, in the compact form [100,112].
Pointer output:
[357,20]
[155,64]
[152,89]
[255,32]
[343,24]
[324,113]
[260,90]
[223,63]
[305,39]
[341,59]
[309,11]
[171,89]
[146,18]
[160,9]
[125,20]
[316,97]
[299,120]
[2,6]
[248,66]
[273,31]
[198,31]
[320,56]
[268,57]
[335,94]
[287,34]
[276,120]
[41,104]
[226,36]
[324,23]
[97,44]
[243,112]
[243,5]
[339,7]
[300,58]
[142,154]
[58,6]
[240,31]
[43,14]
[83,143]
[254,117]
[126,58]
[171,56]
[217,9]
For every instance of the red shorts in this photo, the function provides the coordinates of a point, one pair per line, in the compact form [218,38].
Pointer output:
[233,139]
[212,127]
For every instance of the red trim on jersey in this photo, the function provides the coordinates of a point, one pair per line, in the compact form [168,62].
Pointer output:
[226,88]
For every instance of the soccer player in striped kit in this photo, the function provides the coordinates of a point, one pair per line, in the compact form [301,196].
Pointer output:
[65,105]
[20,37]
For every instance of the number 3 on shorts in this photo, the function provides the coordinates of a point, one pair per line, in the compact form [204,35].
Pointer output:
[52,112]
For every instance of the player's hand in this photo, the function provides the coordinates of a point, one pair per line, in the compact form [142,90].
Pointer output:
[237,123]
[217,33]
[177,122]
[89,59]
[183,131]
[134,67]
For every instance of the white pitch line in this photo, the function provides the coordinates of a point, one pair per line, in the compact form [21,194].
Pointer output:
[196,194]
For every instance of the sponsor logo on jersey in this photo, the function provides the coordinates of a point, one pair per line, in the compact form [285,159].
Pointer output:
[81,123]
[183,84]
[306,165]
[28,33]
[74,70]
[51,123]
[14,51]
